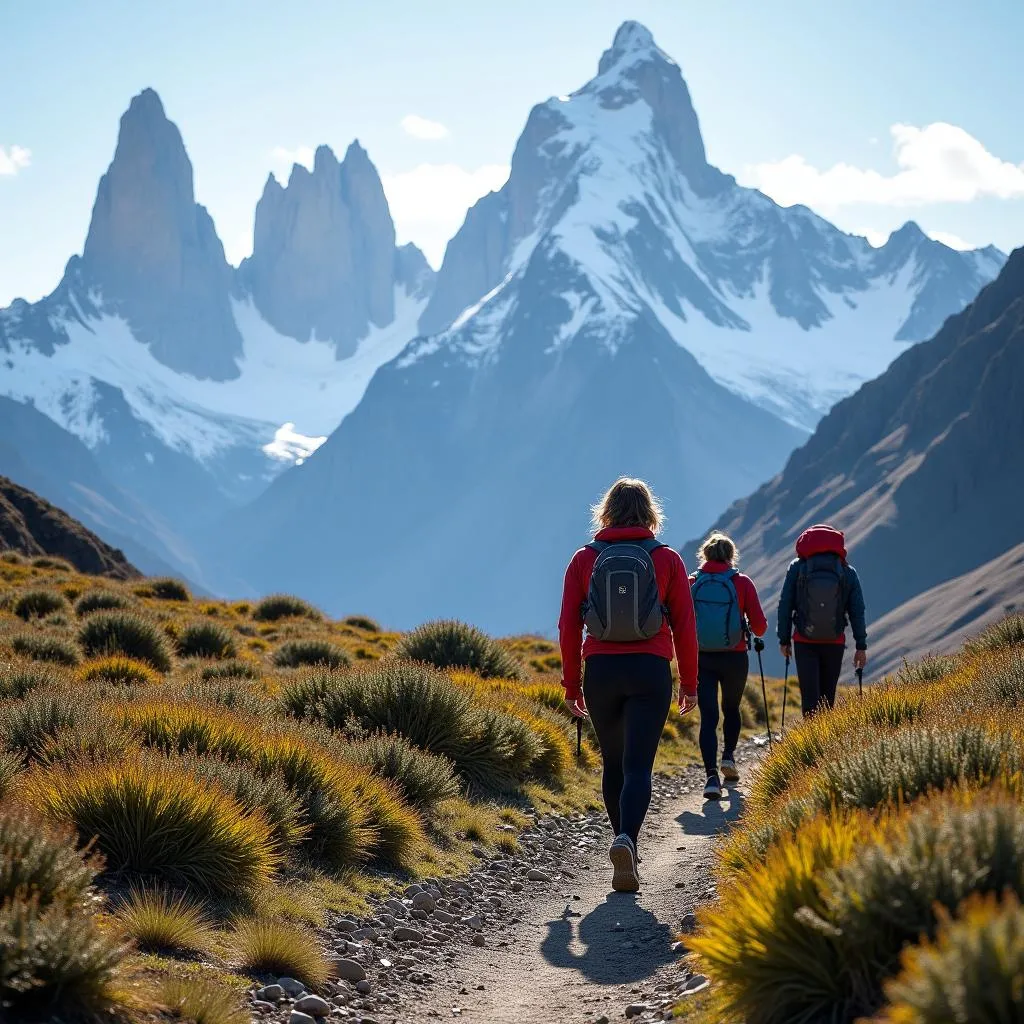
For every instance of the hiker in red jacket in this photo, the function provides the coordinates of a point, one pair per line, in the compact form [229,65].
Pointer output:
[632,595]
[822,592]
[727,610]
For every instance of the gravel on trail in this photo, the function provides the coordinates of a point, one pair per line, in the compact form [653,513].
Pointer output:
[535,936]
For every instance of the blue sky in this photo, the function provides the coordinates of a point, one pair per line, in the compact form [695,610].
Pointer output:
[872,112]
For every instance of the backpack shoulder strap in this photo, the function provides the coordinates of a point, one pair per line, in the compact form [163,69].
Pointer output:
[598,545]
[651,545]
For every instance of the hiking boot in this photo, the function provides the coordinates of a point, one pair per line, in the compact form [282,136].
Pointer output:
[729,770]
[622,853]
[713,789]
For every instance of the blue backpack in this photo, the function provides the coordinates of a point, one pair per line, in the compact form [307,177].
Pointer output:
[717,607]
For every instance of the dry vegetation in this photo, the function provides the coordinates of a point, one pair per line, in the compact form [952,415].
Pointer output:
[187,787]
[878,873]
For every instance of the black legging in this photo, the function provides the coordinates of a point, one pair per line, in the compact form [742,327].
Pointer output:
[628,696]
[728,670]
[818,667]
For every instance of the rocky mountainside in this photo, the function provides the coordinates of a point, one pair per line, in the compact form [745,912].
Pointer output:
[32,526]
[611,190]
[192,383]
[923,467]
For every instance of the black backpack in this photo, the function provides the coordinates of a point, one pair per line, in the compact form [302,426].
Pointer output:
[821,594]
[623,603]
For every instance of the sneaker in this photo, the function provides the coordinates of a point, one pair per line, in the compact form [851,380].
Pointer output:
[622,853]
[713,789]
[729,770]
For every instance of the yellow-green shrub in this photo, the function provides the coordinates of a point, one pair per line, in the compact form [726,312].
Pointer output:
[159,921]
[118,670]
[263,946]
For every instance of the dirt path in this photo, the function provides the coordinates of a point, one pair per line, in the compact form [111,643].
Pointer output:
[575,951]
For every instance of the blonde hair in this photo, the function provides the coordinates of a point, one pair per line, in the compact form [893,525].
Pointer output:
[718,548]
[628,502]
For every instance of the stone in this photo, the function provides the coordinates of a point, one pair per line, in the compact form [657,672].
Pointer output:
[636,1009]
[697,983]
[475,921]
[298,1017]
[403,934]
[444,917]
[397,907]
[349,970]
[680,948]
[363,987]
[271,993]
[292,987]
[262,1006]
[479,940]
[424,901]
[536,875]
[315,1006]
[366,933]
[689,923]
[346,924]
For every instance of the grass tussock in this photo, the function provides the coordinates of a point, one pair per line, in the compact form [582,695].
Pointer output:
[38,603]
[101,601]
[166,588]
[879,872]
[127,634]
[449,643]
[159,921]
[423,779]
[297,653]
[117,670]
[201,1001]
[206,640]
[264,946]
[46,647]
[276,607]
[1007,632]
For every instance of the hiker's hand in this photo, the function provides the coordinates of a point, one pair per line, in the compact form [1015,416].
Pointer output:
[578,708]
[686,704]
[860,659]
[758,644]
[786,650]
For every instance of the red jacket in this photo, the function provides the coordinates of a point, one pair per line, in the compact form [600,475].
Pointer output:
[673,586]
[746,593]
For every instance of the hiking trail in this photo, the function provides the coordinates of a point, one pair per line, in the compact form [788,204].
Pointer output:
[574,951]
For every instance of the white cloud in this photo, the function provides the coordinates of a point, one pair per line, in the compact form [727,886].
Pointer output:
[939,163]
[14,159]
[423,128]
[429,203]
[874,237]
[299,155]
[953,241]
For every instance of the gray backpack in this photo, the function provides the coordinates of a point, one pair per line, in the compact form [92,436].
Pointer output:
[821,596]
[623,603]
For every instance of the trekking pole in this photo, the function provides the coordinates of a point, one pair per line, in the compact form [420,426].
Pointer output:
[759,647]
[860,681]
[785,688]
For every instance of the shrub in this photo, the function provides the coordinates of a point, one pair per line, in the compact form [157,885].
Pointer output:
[773,954]
[27,725]
[399,835]
[423,779]
[268,794]
[38,861]
[13,557]
[167,588]
[100,600]
[231,692]
[159,922]
[971,975]
[233,669]
[891,892]
[497,751]
[362,622]
[1003,679]
[1008,632]
[41,647]
[10,765]
[296,653]
[284,606]
[928,669]
[16,680]
[128,634]
[161,824]
[49,562]
[301,695]
[54,958]
[118,671]
[34,604]
[177,728]
[206,640]
[201,1001]
[453,644]
[263,946]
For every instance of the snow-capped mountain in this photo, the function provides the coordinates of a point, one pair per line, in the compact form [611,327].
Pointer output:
[562,346]
[776,304]
[194,383]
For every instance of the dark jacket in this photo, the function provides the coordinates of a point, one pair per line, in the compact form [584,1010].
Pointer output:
[819,540]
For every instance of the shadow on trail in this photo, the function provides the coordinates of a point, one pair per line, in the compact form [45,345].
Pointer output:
[622,942]
[716,817]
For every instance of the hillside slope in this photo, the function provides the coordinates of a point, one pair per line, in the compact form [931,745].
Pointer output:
[32,526]
[923,467]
